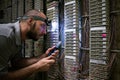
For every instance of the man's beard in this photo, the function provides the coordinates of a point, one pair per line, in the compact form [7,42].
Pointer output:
[32,34]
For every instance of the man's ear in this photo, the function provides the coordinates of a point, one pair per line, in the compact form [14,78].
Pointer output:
[30,21]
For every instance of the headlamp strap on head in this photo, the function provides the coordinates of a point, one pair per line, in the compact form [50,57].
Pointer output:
[38,18]
[42,19]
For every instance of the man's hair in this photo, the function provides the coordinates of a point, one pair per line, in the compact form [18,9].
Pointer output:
[36,15]
[32,13]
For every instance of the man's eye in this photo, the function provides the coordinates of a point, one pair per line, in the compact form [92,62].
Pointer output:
[43,25]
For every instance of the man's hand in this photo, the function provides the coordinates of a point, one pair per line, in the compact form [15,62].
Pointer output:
[53,54]
[44,63]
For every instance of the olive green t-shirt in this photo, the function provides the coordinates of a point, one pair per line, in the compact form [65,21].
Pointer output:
[10,44]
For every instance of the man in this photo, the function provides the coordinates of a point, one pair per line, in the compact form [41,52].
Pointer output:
[31,26]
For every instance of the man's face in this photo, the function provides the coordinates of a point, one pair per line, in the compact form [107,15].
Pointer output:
[37,29]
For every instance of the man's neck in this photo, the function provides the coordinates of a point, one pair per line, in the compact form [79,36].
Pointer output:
[24,30]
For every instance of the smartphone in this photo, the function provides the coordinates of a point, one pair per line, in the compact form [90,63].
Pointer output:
[57,46]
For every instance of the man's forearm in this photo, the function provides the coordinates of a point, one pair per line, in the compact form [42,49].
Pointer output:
[20,63]
[20,74]
[41,65]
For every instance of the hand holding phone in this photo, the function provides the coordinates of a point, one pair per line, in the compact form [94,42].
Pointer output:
[56,48]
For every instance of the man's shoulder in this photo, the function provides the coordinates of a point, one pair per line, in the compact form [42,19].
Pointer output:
[6,29]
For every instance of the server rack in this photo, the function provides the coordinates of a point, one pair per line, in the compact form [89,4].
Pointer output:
[71,31]
[14,10]
[38,4]
[99,55]
[53,36]
[53,29]
[20,8]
